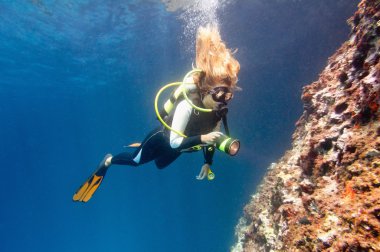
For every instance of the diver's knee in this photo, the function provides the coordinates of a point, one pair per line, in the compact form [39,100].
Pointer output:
[160,165]
[122,161]
[108,161]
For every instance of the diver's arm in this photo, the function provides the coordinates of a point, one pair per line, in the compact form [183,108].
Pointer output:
[208,151]
[180,120]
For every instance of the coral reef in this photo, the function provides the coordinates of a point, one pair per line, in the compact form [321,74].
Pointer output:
[324,193]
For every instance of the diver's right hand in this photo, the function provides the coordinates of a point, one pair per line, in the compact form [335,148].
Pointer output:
[211,137]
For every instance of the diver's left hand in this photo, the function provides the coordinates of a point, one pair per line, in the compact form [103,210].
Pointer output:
[204,171]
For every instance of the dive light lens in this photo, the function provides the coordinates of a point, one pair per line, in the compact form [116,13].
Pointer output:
[228,145]
[234,147]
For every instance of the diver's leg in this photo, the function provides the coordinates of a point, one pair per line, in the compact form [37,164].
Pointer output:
[148,151]
[124,158]
[166,158]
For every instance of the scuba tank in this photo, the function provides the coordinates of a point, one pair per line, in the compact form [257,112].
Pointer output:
[183,88]
[169,104]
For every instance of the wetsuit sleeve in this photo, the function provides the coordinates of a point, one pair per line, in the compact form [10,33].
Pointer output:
[180,120]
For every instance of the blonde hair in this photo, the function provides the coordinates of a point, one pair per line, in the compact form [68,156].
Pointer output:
[215,59]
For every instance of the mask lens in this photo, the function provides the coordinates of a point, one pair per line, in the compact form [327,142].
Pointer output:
[234,148]
[228,96]
[221,94]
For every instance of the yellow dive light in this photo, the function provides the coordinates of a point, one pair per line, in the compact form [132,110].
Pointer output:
[210,175]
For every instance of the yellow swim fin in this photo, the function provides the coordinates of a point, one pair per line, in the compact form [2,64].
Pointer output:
[89,187]
[85,192]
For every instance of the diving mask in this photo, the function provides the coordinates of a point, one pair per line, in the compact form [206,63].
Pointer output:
[221,94]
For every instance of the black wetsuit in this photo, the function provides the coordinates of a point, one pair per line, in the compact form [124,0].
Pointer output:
[158,145]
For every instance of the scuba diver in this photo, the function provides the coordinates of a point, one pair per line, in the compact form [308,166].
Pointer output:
[191,118]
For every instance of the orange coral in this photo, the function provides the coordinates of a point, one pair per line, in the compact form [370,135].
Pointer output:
[349,192]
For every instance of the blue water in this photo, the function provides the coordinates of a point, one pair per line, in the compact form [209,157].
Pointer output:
[78,79]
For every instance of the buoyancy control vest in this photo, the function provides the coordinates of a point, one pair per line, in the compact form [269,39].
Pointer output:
[200,122]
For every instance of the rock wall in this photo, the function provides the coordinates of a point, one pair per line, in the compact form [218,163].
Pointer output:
[324,193]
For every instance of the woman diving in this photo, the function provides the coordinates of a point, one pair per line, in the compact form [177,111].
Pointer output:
[194,121]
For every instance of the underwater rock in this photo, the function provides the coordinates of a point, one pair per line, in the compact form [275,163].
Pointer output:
[324,193]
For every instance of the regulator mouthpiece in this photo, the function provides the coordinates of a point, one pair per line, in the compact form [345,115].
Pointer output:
[228,145]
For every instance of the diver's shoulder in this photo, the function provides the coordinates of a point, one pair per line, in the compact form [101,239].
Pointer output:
[184,105]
